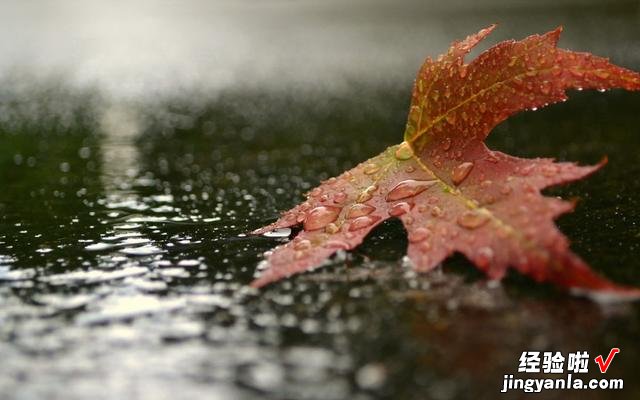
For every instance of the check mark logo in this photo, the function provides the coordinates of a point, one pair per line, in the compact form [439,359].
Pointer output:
[605,364]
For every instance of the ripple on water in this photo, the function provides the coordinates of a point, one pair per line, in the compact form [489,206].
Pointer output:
[148,218]
[131,204]
[93,276]
[188,263]
[129,226]
[147,250]
[7,274]
[65,302]
[123,307]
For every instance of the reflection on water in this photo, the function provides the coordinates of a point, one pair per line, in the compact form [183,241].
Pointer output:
[123,259]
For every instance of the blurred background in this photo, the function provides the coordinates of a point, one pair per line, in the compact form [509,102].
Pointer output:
[140,140]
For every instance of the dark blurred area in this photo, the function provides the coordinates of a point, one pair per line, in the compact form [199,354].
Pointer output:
[148,47]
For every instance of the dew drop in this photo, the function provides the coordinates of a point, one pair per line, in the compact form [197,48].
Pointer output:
[400,208]
[446,145]
[339,197]
[451,118]
[410,169]
[363,222]
[409,188]
[371,169]
[484,257]
[367,194]
[319,217]
[302,245]
[359,210]
[545,88]
[492,158]
[577,73]
[331,228]
[526,170]
[436,211]
[486,183]
[403,152]
[472,219]
[461,172]
[419,234]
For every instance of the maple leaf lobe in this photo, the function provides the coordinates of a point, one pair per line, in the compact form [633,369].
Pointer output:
[450,191]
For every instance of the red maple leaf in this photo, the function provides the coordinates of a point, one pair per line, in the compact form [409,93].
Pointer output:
[449,190]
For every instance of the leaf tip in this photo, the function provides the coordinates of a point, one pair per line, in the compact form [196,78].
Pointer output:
[461,48]
[555,34]
[604,161]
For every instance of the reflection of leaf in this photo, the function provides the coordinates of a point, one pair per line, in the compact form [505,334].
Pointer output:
[451,192]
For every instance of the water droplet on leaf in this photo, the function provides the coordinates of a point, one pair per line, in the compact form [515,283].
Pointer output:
[460,172]
[409,188]
[484,257]
[436,211]
[371,169]
[446,144]
[363,222]
[403,152]
[419,234]
[319,217]
[339,197]
[359,210]
[331,228]
[400,208]
[301,245]
[472,219]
